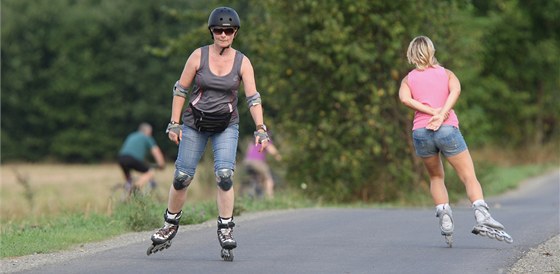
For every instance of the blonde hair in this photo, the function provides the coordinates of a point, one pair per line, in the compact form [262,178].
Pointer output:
[422,53]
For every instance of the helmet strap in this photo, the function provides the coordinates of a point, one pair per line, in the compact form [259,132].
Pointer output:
[222,51]
[224,48]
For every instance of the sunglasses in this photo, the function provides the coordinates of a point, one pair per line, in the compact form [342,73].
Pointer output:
[227,31]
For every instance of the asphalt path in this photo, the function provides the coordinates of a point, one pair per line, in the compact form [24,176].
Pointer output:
[346,240]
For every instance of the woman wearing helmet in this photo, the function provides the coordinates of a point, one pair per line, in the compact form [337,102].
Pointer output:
[215,72]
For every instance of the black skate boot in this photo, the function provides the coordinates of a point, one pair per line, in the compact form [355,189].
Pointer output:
[487,226]
[225,237]
[161,239]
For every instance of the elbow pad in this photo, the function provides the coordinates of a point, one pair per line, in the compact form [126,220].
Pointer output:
[254,100]
[178,90]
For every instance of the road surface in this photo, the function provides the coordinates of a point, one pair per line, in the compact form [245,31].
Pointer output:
[345,240]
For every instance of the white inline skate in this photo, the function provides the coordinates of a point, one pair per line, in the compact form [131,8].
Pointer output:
[225,237]
[161,239]
[445,216]
[487,226]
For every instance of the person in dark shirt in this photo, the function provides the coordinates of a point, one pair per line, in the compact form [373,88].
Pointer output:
[132,156]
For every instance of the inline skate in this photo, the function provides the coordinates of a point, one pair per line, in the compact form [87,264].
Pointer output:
[445,216]
[487,226]
[161,239]
[225,237]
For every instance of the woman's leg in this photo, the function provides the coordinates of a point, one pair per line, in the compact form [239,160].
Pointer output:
[427,149]
[453,146]
[437,179]
[191,148]
[463,165]
[190,151]
[485,224]
[264,176]
[225,149]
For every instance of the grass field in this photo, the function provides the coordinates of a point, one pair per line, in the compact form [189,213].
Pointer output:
[38,190]
[52,189]
[49,207]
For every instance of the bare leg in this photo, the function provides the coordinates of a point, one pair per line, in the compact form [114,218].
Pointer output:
[437,179]
[225,201]
[269,188]
[161,239]
[177,199]
[463,165]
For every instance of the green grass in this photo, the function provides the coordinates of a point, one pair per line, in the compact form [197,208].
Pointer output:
[44,236]
[145,213]
[141,213]
[502,179]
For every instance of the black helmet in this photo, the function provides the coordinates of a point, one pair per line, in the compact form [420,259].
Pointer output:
[224,17]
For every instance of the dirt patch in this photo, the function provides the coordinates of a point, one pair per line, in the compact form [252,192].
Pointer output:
[544,258]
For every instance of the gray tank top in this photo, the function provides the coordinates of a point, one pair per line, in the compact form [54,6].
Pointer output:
[212,93]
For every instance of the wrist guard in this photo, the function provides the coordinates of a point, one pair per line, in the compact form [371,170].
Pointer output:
[263,136]
[173,127]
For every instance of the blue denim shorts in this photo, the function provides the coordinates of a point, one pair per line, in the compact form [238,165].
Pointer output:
[447,140]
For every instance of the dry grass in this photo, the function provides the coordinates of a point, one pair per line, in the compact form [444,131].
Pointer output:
[548,154]
[59,188]
[51,189]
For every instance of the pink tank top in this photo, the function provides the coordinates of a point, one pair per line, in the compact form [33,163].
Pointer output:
[254,154]
[430,87]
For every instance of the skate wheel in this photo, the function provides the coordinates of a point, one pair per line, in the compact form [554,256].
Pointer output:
[227,255]
[165,245]
[508,240]
[149,251]
[157,247]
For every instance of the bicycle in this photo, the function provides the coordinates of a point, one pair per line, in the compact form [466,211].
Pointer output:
[122,191]
[253,183]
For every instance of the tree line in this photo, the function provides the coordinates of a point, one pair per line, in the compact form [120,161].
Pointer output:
[78,76]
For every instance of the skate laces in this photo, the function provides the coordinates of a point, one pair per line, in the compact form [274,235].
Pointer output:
[226,234]
[481,213]
[479,216]
[483,217]
[166,230]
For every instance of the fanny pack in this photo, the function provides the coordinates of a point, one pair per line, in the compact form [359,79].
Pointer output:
[210,122]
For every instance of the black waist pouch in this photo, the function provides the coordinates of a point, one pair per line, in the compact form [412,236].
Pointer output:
[210,122]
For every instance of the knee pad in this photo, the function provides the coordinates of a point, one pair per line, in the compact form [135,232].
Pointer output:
[181,180]
[223,177]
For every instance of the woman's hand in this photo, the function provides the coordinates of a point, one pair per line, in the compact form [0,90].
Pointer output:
[174,132]
[436,121]
[174,137]
[261,137]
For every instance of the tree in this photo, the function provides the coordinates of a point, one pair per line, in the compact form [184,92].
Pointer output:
[337,68]
[521,72]
[75,85]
